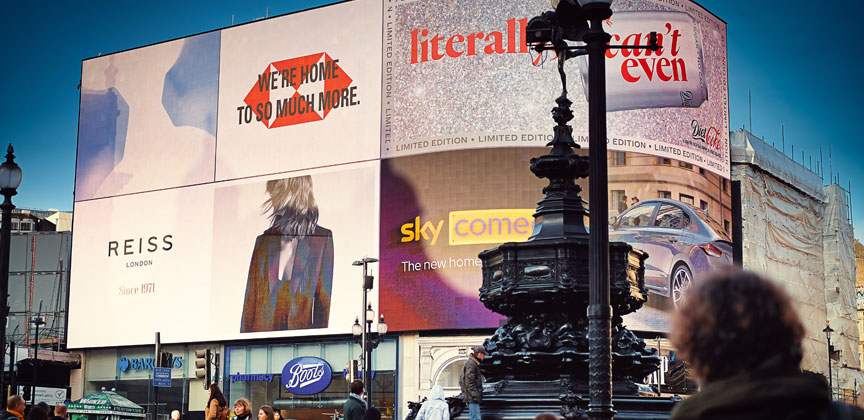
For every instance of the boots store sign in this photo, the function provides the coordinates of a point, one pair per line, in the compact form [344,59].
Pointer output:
[306,376]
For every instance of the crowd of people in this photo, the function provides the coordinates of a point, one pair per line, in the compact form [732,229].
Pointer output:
[17,409]
[738,331]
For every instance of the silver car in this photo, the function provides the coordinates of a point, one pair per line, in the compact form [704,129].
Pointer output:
[681,241]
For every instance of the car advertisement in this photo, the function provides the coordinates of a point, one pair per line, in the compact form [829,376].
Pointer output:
[431,232]
[466,80]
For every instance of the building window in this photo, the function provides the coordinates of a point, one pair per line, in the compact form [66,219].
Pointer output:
[664,194]
[725,184]
[703,205]
[684,198]
[619,201]
[14,225]
[619,158]
[664,161]
[701,171]
[686,165]
[25,227]
[726,226]
[448,376]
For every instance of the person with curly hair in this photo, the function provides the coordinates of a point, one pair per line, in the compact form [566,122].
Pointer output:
[742,338]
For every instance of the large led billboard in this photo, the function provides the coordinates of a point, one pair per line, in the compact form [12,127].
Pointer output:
[226,181]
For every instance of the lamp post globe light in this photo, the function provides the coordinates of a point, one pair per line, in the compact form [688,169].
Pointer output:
[10,179]
[363,331]
[368,342]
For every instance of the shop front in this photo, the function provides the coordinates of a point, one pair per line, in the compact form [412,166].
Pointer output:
[129,372]
[263,373]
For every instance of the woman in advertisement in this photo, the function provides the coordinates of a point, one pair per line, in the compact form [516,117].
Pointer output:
[291,271]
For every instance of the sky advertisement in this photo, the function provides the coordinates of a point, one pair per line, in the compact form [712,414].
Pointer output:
[225,182]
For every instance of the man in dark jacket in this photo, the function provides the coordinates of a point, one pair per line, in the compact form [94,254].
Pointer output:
[355,405]
[15,407]
[471,381]
[742,338]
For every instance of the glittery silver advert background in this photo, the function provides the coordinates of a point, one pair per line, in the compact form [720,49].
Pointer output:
[474,101]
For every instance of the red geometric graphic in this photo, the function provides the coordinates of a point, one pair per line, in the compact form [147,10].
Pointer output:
[280,77]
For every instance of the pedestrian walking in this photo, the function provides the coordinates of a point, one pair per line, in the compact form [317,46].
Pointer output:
[277,415]
[471,381]
[37,413]
[742,337]
[175,415]
[355,406]
[372,413]
[242,409]
[217,406]
[265,413]
[60,412]
[434,408]
[622,205]
[15,407]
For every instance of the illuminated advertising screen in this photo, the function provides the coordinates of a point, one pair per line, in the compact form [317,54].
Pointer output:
[466,105]
[226,181]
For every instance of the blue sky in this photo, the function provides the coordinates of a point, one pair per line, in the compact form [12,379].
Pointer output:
[799,61]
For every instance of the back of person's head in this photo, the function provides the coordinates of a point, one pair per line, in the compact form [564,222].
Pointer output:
[175,414]
[437,392]
[38,413]
[216,394]
[14,402]
[546,416]
[372,413]
[60,410]
[357,387]
[732,322]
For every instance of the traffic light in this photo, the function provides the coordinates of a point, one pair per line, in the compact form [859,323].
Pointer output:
[26,394]
[202,365]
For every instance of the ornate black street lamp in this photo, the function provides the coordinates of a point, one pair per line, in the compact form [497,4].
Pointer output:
[369,342]
[367,284]
[10,179]
[551,31]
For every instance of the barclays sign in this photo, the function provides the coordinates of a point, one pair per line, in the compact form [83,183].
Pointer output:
[306,376]
[145,363]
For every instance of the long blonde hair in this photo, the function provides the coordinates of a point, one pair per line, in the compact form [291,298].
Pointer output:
[292,205]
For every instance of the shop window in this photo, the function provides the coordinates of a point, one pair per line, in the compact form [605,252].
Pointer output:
[684,198]
[448,375]
[664,194]
[619,158]
[619,201]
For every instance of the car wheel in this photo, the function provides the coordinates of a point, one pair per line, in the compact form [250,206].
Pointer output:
[681,280]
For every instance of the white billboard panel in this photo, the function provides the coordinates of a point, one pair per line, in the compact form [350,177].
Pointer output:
[465,80]
[192,262]
[152,104]
[300,91]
